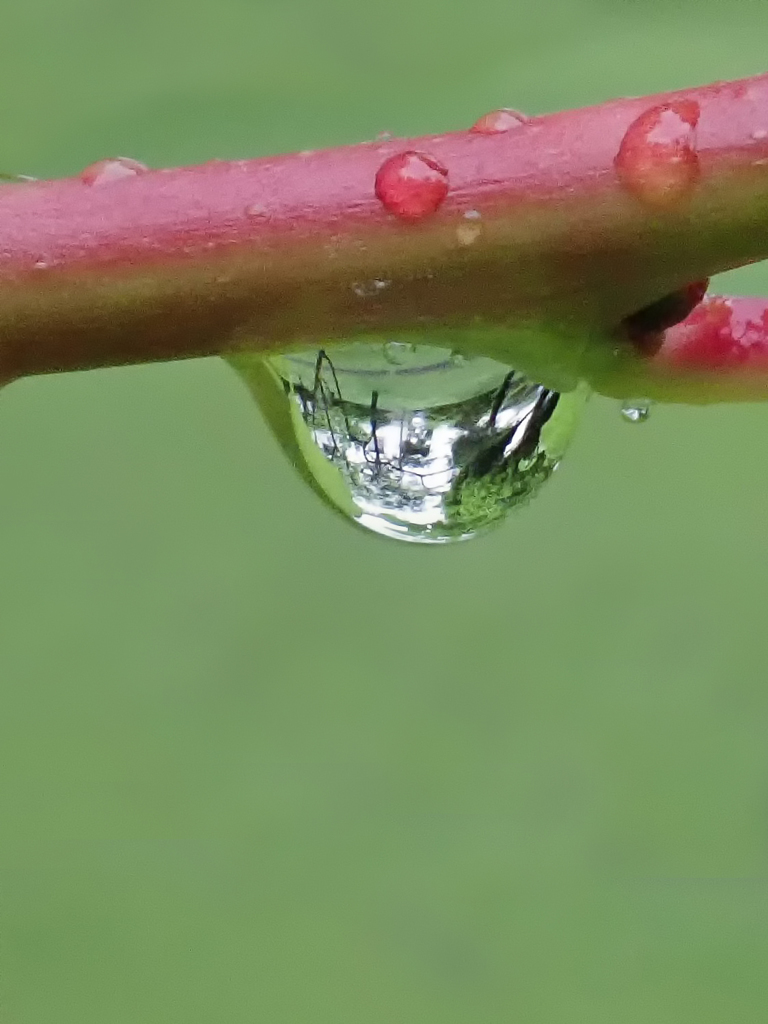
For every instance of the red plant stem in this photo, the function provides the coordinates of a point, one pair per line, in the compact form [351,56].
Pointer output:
[263,253]
[718,353]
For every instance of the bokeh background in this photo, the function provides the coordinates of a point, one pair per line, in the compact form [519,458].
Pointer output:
[257,766]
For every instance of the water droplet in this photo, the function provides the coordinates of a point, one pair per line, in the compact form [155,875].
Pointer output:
[499,121]
[411,185]
[408,441]
[469,232]
[41,265]
[105,171]
[366,289]
[759,134]
[657,160]
[383,136]
[256,210]
[636,410]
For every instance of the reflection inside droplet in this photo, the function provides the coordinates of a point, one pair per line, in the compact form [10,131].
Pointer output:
[636,410]
[421,447]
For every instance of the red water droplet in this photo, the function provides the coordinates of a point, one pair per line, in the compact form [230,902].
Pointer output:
[105,171]
[499,121]
[412,185]
[657,160]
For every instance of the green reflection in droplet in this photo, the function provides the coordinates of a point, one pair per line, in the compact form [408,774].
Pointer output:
[415,442]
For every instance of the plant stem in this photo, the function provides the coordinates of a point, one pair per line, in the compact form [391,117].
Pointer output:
[718,353]
[260,254]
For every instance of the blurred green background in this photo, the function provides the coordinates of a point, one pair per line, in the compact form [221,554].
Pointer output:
[257,766]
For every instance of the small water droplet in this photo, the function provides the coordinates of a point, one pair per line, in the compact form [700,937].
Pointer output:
[383,136]
[411,185]
[407,440]
[105,171]
[41,265]
[469,232]
[657,160]
[256,210]
[305,153]
[498,121]
[759,134]
[365,289]
[636,410]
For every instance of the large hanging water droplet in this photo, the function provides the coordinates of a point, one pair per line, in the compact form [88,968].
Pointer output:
[105,171]
[636,410]
[409,441]
[411,185]
[657,160]
[498,121]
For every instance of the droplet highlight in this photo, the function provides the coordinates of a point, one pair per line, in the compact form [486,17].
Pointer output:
[367,289]
[468,232]
[497,121]
[657,160]
[410,442]
[411,185]
[105,171]
[636,410]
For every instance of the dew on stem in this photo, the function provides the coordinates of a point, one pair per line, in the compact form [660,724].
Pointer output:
[411,185]
[105,171]
[471,229]
[367,289]
[657,160]
[407,440]
[498,121]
